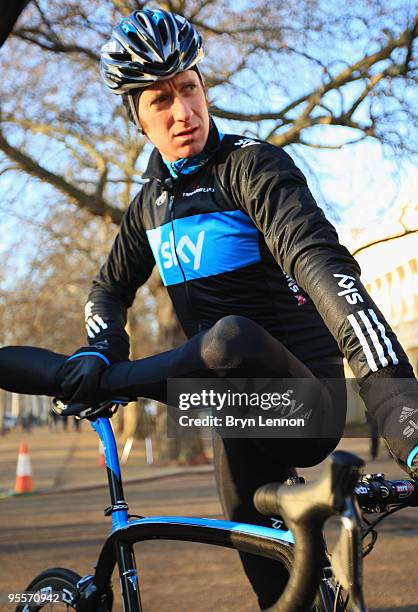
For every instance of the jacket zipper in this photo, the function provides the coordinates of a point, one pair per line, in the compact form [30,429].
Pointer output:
[171,212]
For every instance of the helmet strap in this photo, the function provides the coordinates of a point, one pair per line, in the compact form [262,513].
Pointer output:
[134,110]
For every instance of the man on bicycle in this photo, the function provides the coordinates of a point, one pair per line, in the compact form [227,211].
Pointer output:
[258,279]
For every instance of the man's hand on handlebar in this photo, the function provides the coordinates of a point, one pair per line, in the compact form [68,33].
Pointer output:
[393,402]
[80,374]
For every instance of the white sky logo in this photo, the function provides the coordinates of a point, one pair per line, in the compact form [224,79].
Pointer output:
[291,283]
[183,250]
[350,292]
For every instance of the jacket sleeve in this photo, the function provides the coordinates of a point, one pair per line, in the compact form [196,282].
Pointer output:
[127,267]
[273,191]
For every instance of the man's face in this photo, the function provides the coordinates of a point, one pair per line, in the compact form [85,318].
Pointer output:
[174,115]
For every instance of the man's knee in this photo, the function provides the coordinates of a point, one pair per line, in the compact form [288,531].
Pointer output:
[233,342]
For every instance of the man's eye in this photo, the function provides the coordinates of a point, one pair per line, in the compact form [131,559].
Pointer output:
[159,100]
[188,87]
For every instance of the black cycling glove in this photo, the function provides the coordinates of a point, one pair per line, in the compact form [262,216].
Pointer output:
[80,374]
[393,401]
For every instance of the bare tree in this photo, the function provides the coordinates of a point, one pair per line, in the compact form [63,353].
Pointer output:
[44,303]
[285,70]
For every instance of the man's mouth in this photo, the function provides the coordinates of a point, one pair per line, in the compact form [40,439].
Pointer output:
[185,133]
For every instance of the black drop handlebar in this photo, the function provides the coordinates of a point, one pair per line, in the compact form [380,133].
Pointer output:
[305,508]
[374,493]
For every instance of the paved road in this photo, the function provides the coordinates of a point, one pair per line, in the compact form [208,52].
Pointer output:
[68,529]
[68,459]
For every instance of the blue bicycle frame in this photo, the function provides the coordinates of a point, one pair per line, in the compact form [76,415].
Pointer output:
[118,548]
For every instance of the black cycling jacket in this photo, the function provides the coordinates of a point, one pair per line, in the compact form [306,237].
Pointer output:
[244,236]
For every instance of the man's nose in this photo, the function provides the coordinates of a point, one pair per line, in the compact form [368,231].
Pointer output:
[182,110]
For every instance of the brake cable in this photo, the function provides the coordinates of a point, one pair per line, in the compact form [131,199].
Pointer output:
[372,524]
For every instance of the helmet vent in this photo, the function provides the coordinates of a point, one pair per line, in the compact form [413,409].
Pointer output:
[162,28]
[148,46]
[182,34]
[139,16]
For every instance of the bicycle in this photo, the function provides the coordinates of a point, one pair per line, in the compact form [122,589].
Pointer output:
[314,580]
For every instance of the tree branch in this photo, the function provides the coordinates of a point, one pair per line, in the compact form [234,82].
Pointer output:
[202,4]
[96,206]
[237,116]
[60,236]
[381,240]
[53,44]
[354,72]
[45,128]
[7,169]
[101,161]
[332,147]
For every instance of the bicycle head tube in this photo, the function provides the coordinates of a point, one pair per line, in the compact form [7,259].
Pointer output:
[118,508]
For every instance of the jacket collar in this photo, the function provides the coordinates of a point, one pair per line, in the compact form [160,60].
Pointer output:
[156,168]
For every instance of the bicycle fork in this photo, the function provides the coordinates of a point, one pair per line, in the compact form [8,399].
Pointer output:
[128,578]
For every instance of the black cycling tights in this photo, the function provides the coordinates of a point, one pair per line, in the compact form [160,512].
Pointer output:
[234,346]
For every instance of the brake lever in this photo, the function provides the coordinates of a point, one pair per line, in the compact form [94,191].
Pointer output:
[347,557]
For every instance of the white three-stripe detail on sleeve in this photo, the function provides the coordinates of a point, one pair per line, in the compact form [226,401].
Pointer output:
[369,338]
[373,336]
[385,339]
[363,342]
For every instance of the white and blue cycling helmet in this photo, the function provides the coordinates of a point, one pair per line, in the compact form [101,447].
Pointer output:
[148,46]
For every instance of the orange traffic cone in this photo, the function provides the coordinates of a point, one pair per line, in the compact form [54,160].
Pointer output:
[101,460]
[24,482]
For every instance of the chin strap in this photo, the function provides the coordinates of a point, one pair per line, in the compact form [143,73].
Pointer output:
[132,101]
